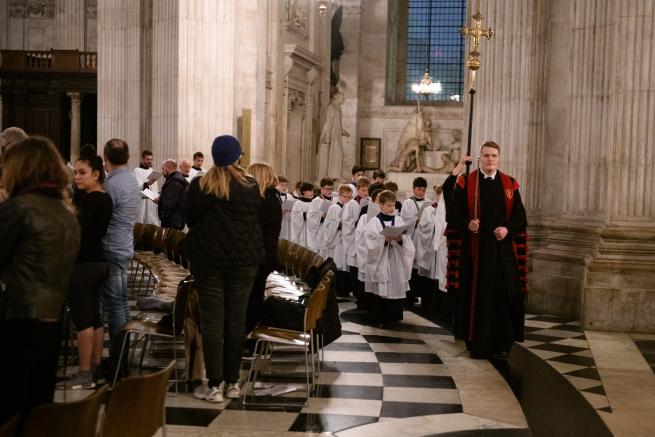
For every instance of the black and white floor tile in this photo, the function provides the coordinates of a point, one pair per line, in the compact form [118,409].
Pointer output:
[563,345]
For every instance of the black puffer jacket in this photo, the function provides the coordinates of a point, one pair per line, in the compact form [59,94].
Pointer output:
[171,200]
[223,233]
[270,220]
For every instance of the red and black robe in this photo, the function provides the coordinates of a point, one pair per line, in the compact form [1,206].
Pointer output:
[489,276]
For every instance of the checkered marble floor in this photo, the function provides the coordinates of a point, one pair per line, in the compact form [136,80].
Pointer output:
[563,345]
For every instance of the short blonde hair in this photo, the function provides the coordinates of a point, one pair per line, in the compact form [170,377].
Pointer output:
[264,175]
[386,196]
[345,189]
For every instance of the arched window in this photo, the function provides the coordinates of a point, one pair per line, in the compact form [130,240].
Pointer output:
[424,34]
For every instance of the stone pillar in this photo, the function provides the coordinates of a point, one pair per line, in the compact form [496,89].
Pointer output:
[120,83]
[69,25]
[76,127]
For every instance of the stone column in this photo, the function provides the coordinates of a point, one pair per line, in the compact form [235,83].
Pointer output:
[120,82]
[76,127]
[69,25]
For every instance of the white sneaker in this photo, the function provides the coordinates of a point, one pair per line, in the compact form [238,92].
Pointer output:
[233,391]
[209,394]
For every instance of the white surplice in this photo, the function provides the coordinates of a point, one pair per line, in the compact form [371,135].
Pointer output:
[431,249]
[388,264]
[410,212]
[147,212]
[332,241]
[360,239]
[299,222]
[349,219]
[285,229]
[315,221]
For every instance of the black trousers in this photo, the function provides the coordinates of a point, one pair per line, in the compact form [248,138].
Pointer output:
[29,366]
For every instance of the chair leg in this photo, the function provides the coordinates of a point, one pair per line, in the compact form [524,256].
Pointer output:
[120,358]
[175,360]
[143,351]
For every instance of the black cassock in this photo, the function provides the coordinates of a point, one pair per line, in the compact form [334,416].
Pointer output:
[497,305]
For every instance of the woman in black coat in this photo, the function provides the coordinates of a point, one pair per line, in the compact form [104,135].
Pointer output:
[270,221]
[225,248]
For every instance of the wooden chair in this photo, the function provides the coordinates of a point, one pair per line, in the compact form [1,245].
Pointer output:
[136,405]
[78,418]
[267,337]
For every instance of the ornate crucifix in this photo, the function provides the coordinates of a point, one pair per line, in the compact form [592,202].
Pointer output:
[473,62]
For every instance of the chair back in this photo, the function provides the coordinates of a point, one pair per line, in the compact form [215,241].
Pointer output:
[318,302]
[158,242]
[138,235]
[10,427]
[67,419]
[148,239]
[283,252]
[136,405]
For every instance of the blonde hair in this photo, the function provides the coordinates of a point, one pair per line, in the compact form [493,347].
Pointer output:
[264,175]
[217,180]
[345,189]
[34,162]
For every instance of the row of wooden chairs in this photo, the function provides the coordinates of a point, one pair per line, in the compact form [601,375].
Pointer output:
[135,407]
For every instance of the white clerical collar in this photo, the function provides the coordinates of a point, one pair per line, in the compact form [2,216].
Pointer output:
[490,175]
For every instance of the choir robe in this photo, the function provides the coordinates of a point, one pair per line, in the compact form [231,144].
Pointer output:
[315,222]
[489,276]
[409,213]
[360,239]
[147,212]
[349,219]
[299,221]
[285,229]
[388,270]
[431,249]
[332,242]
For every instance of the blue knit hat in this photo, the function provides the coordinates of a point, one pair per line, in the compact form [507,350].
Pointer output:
[226,150]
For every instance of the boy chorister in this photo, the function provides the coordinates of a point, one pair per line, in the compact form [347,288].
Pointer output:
[299,214]
[283,195]
[372,210]
[411,213]
[333,242]
[388,263]
[349,226]
[317,213]
[431,250]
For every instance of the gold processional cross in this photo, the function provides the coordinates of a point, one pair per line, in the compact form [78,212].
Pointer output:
[473,62]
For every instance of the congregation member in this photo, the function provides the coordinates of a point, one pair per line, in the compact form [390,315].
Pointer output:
[40,241]
[431,250]
[299,214]
[147,212]
[118,243]
[225,248]
[196,168]
[493,272]
[349,226]
[388,264]
[94,208]
[316,215]
[9,137]
[286,202]
[333,243]
[270,221]
[172,196]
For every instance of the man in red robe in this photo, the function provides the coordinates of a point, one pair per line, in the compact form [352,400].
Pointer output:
[487,257]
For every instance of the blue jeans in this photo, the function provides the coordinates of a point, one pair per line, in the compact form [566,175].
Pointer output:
[223,299]
[114,301]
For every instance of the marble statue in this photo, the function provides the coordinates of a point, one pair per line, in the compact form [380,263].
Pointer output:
[453,151]
[415,138]
[330,151]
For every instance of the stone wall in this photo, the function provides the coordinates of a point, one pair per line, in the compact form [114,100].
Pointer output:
[49,24]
